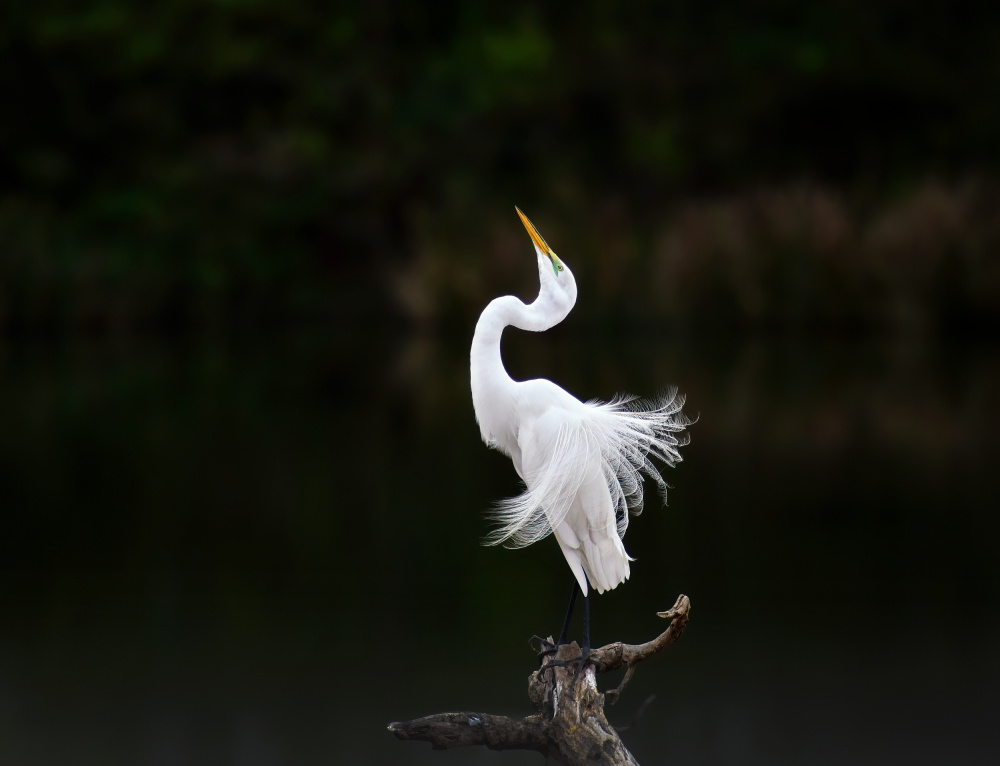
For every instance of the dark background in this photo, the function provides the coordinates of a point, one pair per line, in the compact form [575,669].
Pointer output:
[243,246]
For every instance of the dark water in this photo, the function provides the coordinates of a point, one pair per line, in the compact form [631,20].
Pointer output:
[262,550]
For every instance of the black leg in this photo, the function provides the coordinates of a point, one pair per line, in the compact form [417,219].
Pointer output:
[569,613]
[582,660]
[550,649]
[585,649]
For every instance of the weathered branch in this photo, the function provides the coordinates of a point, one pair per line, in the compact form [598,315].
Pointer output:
[570,725]
[497,732]
[615,655]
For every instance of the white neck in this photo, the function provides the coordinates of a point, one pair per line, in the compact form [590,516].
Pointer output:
[492,387]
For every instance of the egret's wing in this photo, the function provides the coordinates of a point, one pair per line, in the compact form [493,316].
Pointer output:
[557,452]
[562,449]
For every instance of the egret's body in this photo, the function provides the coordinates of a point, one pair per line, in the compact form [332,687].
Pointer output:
[581,462]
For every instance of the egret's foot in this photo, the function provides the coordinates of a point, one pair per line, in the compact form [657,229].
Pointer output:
[581,662]
[578,662]
[545,648]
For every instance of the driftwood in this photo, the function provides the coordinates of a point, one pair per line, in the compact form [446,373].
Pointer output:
[570,726]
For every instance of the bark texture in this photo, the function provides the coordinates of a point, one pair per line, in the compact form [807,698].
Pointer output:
[569,725]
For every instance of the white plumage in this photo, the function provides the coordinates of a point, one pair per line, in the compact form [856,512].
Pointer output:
[581,462]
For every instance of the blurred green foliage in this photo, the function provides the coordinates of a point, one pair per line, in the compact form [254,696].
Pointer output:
[190,161]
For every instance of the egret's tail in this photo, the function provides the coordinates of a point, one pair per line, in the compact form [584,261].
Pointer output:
[606,562]
[588,538]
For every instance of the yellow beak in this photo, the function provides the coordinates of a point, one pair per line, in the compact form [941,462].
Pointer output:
[533,233]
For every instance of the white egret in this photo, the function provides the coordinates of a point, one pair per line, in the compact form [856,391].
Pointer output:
[582,462]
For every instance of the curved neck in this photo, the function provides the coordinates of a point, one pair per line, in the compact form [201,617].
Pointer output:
[492,387]
[500,313]
[487,366]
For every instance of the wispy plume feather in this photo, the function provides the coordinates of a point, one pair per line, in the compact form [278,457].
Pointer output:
[618,439]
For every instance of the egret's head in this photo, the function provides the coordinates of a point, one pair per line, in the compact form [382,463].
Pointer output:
[557,282]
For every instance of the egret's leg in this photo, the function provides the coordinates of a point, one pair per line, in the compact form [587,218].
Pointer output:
[585,649]
[550,649]
[569,613]
[584,657]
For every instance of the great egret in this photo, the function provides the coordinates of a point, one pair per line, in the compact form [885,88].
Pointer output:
[581,462]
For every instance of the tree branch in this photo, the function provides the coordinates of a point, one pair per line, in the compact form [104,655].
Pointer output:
[570,725]
[615,655]
[497,732]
